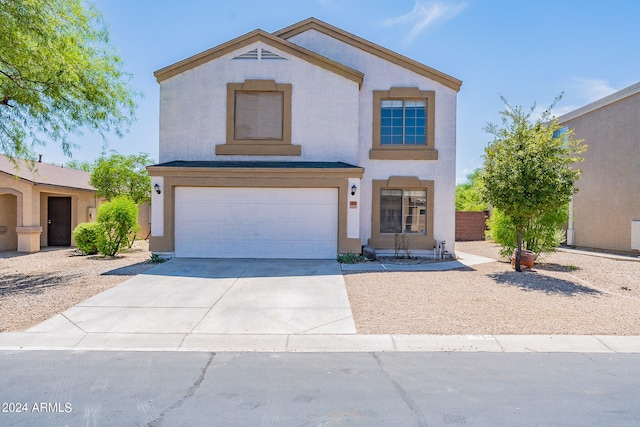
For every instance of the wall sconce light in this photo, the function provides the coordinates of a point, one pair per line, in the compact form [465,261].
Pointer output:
[353,190]
[157,188]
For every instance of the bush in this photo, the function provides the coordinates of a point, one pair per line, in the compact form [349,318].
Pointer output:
[350,258]
[540,236]
[86,237]
[118,219]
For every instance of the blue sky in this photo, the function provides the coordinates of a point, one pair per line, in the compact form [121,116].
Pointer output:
[526,50]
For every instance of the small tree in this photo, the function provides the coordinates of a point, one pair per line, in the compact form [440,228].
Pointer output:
[118,175]
[118,219]
[527,169]
[468,196]
[543,234]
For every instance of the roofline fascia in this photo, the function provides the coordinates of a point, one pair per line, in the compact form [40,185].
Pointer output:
[602,102]
[375,49]
[42,184]
[350,172]
[252,37]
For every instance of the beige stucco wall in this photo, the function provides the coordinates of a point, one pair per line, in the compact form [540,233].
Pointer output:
[8,222]
[144,219]
[609,190]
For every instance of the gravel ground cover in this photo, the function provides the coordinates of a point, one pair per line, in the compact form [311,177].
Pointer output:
[566,293]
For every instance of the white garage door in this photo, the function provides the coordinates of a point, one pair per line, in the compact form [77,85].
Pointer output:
[256,222]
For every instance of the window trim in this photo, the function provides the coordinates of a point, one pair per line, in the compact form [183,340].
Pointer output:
[259,147]
[414,240]
[404,151]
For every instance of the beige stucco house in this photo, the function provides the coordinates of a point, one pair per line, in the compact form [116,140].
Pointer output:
[41,206]
[303,143]
[606,210]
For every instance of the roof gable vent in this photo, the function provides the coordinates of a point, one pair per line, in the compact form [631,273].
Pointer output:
[259,54]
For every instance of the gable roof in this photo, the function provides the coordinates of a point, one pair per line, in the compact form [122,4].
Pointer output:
[602,102]
[372,48]
[45,174]
[252,37]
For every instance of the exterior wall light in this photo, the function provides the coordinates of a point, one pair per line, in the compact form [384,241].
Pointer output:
[157,188]
[353,190]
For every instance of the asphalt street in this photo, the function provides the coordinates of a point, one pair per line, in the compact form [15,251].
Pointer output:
[74,388]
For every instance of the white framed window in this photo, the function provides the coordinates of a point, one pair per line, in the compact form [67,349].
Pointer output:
[403,122]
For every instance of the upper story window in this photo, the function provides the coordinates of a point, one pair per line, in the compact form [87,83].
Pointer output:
[258,120]
[561,131]
[403,124]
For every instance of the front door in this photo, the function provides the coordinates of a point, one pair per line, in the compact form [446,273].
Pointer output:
[59,221]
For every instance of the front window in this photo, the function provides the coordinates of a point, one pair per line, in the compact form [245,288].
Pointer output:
[403,211]
[403,122]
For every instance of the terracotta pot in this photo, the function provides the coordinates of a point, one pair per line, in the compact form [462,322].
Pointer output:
[526,258]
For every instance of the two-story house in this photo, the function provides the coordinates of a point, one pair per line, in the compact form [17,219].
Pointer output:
[303,143]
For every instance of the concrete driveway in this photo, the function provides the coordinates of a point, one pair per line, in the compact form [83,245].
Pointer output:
[204,296]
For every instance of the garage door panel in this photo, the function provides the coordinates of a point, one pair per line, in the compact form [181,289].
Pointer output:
[256,222]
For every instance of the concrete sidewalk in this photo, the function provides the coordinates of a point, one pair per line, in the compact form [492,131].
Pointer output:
[319,343]
[260,305]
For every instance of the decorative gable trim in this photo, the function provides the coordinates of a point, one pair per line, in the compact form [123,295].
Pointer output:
[253,37]
[372,48]
[259,54]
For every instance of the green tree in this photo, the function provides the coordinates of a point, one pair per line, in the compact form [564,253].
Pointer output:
[527,170]
[115,175]
[468,197]
[58,75]
[83,166]
[118,220]
[542,234]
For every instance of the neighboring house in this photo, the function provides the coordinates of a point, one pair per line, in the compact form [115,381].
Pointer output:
[42,204]
[606,210]
[303,143]
[41,207]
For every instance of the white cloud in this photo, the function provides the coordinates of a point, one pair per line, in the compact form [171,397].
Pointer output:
[426,14]
[582,92]
[592,89]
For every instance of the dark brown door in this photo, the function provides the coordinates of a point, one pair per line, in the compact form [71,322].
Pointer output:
[59,221]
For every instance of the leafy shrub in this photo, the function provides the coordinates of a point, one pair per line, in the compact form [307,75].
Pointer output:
[86,237]
[118,219]
[541,235]
[156,259]
[350,258]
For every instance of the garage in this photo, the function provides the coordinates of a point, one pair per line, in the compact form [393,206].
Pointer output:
[232,222]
